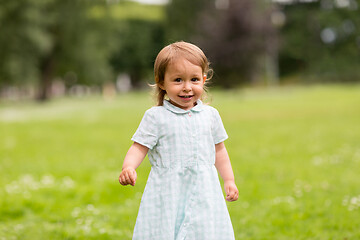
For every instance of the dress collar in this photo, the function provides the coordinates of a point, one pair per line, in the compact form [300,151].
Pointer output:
[199,107]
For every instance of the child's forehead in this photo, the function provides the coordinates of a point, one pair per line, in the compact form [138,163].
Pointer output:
[182,64]
[184,59]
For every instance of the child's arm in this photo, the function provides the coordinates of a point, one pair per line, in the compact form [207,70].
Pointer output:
[133,159]
[223,166]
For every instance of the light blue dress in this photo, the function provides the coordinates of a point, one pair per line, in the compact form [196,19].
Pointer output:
[183,198]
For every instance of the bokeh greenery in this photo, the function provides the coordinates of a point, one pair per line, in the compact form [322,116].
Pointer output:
[249,42]
[295,152]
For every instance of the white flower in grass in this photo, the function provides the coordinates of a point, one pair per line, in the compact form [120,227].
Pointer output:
[76,212]
[18,227]
[89,221]
[335,159]
[86,228]
[356,157]
[325,185]
[93,210]
[79,221]
[47,181]
[67,183]
[284,199]
[307,188]
[355,201]
[317,160]
[90,207]
[345,200]
[328,203]
[29,182]
[300,187]
[13,188]
[352,203]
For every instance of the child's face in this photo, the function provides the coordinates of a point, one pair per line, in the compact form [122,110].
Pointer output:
[183,83]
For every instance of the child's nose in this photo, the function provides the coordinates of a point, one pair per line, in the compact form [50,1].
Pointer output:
[187,86]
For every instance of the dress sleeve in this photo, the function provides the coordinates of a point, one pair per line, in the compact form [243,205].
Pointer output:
[146,134]
[218,131]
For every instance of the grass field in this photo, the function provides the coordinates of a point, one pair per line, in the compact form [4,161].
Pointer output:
[295,153]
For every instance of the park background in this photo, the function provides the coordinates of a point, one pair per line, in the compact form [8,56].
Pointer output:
[74,81]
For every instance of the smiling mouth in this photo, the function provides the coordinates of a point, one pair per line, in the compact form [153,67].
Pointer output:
[186,96]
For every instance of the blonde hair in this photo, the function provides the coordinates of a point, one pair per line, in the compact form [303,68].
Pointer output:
[190,52]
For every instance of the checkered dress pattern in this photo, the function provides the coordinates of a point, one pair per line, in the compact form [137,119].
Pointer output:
[183,197]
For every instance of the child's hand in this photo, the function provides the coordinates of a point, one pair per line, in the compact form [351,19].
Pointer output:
[128,176]
[232,193]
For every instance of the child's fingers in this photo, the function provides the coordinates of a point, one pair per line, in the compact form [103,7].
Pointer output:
[132,177]
[228,192]
[232,194]
[230,197]
[128,177]
[236,196]
[122,179]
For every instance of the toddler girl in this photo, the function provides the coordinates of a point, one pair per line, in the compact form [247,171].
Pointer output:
[184,140]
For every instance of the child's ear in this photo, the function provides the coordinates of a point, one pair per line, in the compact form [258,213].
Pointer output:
[160,84]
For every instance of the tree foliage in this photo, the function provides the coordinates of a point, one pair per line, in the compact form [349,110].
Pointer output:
[182,17]
[235,38]
[138,43]
[233,34]
[92,41]
[50,38]
[23,40]
[322,38]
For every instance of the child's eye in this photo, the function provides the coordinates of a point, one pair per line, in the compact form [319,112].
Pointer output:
[194,79]
[177,80]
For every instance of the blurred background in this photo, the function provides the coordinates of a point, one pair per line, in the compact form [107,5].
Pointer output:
[286,83]
[52,48]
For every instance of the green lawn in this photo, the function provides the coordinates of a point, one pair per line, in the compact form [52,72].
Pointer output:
[295,152]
